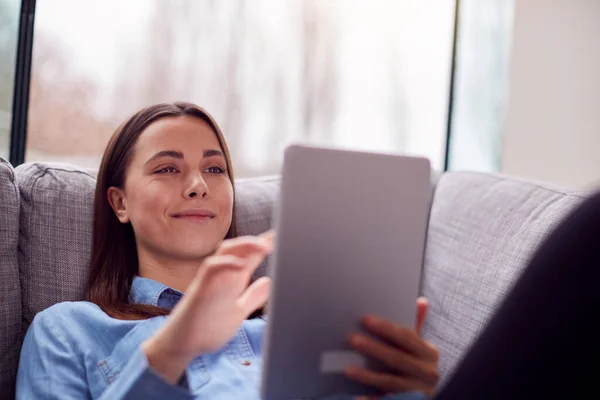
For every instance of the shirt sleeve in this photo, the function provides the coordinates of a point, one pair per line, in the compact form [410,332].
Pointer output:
[49,369]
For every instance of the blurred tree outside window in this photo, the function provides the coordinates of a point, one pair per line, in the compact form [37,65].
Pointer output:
[9,29]
[348,73]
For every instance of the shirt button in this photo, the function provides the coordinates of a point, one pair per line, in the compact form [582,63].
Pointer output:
[246,363]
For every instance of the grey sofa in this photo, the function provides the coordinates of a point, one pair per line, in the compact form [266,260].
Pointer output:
[482,230]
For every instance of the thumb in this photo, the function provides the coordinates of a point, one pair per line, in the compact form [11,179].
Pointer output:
[255,295]
[422,306]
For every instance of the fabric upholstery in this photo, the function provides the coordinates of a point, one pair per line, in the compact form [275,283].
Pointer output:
[254,204]
[483,229]
[56,225]
[10,292]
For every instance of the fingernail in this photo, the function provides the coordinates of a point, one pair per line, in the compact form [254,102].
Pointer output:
[357,340]
[267,244]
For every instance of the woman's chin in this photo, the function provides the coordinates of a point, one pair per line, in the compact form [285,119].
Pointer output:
[194,251]
[192,245]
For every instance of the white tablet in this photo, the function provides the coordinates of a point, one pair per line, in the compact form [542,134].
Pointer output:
[351,229]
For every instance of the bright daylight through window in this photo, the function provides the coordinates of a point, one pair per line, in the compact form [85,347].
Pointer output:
[366,75]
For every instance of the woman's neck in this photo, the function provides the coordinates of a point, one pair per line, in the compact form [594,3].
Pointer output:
[177,274]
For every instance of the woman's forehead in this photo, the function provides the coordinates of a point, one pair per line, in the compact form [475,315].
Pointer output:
[177,133]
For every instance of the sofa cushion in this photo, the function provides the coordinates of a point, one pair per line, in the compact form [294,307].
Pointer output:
[483,229]
[10,296]
[55,237]
[56,225]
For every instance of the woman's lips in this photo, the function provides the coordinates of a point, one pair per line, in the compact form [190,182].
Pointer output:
[195,218]
[196,215]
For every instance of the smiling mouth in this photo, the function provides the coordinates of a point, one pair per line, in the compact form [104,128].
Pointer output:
[197,219]
[195,215]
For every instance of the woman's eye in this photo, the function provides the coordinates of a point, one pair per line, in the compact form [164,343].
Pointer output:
[166,170]
[214,170]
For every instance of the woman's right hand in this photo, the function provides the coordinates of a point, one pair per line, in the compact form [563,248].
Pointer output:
[214,306]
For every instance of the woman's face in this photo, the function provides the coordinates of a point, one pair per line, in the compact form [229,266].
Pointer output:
[177,193]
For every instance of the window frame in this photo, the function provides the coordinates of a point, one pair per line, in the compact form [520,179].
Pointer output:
[20,105]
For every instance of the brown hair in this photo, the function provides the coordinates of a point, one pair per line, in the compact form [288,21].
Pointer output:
[114,261]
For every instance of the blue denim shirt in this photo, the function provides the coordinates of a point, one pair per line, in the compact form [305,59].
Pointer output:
[73,350]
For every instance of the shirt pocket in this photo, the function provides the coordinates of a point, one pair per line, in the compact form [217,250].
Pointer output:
[197,374]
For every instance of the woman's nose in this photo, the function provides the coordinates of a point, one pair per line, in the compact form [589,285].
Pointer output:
[197,188]
[194,194]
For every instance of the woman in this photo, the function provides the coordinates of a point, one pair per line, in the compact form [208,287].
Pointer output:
[164,226]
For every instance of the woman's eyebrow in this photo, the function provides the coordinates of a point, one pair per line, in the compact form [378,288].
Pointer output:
[166,153]
[212,153]
[179,155]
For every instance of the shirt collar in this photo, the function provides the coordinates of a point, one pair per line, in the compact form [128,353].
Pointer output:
[148,291]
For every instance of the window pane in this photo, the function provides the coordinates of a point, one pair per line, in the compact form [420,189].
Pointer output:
[481,79]
[9,28]
[363,75]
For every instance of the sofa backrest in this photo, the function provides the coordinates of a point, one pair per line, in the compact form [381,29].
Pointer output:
[10,292]
[483,229]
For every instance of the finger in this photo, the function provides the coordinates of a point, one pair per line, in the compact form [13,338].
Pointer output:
[422,307]
[216,264]
[268,235]
[245,245]
[384,382]
[401,337]
[255,296]
[228,270]
[213,263]
[242,244]
[406,364]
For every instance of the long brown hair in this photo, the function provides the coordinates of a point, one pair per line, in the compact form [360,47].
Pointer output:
[114,261]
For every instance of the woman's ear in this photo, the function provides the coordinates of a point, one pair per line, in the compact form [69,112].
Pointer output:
[116,198]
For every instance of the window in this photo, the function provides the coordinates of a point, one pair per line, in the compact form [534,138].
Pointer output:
[371,75]
[9,27]
[480,84]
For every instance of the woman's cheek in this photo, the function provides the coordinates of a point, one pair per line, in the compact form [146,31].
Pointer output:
[149,205]
[227,203]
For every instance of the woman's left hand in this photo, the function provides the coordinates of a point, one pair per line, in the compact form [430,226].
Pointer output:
[412,360]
